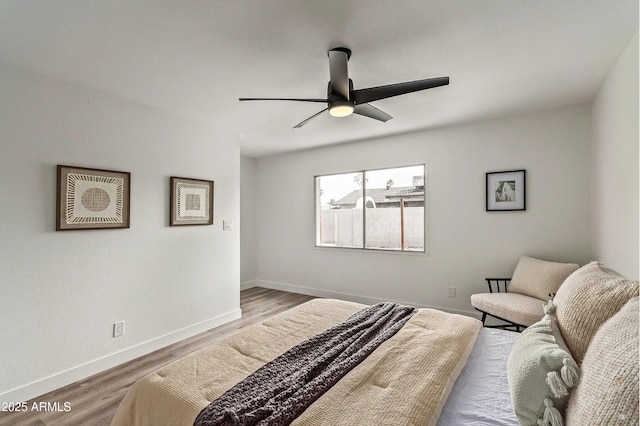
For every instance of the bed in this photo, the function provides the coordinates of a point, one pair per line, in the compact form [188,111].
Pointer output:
[438,366]
[577,366]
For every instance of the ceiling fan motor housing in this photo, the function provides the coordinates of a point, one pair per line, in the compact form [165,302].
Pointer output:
[339,106]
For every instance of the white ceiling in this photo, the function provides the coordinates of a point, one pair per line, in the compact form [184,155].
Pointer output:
[196,58]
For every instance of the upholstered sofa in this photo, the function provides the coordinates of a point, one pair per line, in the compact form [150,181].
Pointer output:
[578,365]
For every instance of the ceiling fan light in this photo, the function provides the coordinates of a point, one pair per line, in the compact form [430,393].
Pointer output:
[341,109]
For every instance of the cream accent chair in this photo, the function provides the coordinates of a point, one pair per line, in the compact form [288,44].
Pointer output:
[520,301]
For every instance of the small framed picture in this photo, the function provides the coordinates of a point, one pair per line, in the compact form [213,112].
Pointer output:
[92,199]
[506,191]
[191,202]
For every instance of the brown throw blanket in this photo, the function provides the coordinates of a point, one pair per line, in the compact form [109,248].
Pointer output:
[283,388]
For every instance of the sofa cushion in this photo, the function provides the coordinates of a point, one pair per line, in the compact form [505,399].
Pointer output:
[541,374]
[588,298]
[537,278]
[514,307]
[608,389]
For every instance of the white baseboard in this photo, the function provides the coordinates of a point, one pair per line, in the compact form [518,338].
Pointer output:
[249,284]
[82,371]
[367,300]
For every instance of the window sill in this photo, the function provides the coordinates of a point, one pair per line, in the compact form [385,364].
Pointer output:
[372,250]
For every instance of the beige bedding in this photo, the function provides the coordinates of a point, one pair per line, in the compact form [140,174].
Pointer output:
[404,382]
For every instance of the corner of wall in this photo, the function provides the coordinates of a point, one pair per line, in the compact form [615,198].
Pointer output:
[614,160]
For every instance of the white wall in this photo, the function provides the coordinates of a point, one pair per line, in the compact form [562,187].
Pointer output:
[61,292]
[466,243]
[248,221]
[615,166]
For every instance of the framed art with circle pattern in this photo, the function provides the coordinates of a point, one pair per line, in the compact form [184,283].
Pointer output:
[92,199]
[191,202]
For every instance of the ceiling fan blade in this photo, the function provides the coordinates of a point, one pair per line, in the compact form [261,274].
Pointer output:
[382,92]
[302,123]
[371,112]
[338,70]
[283,99]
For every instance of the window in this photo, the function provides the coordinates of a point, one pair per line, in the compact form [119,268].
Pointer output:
[379,209]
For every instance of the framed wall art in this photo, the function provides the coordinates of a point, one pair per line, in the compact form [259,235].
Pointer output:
[92,199]
[191,202]
[506,191]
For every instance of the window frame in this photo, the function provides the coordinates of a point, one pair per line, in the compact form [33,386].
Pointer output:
[317,210]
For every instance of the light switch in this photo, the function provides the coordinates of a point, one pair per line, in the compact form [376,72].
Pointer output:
[226,225]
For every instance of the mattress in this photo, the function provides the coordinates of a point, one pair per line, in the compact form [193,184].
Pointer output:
[405,381]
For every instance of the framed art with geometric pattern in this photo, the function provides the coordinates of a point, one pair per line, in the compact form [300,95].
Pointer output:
[191,202]
[92,199]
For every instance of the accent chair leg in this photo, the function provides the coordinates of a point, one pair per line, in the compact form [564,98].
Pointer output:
[484,317]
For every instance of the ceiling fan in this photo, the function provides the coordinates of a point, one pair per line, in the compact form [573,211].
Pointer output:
[342,100]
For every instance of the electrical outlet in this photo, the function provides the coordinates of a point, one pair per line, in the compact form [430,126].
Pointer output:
[118,329]
[226,225]
[452,292]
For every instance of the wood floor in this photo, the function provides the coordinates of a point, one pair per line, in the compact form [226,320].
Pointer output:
[94,400]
